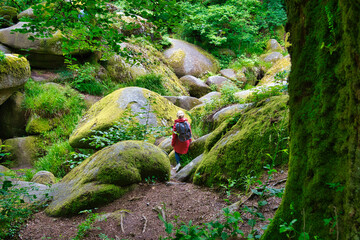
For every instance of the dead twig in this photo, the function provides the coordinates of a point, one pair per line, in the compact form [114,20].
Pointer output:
[145,222]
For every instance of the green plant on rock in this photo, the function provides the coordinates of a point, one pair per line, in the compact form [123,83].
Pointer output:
[228,94]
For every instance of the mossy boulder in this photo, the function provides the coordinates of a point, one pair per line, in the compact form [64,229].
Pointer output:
[195,86]
[151,62]
[273,46]
[44,177]
[37,125]
[235,151]
[29,13]
[271,57]
[7,16]
[14,73]
[219,82]
[107,175]
[23,151]
[184,102]
[152,108]
[282,65]
[12,117]
[188,59]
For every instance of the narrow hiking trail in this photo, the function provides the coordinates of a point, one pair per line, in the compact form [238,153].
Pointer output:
[135,215]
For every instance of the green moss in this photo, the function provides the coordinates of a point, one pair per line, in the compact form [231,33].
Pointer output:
[281,65]
[243,149]
[8,14]
[15,66]
[38,125]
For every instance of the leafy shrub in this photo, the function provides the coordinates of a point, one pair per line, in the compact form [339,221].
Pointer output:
[19,4]
[2,55]
[228,94]
[13,210]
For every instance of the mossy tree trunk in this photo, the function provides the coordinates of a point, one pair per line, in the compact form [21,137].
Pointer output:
[324,88]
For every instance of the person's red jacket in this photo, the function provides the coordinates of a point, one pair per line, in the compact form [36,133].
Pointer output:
[180,147]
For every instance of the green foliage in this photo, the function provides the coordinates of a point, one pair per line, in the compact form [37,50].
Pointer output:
[84,27]
[13,210]
[4,153]
[57,154]
[2,55]
[76,159]
[152,82]
[232,24]
[19,4]
[212,230]
[266,92]
[228,94]
[86,82]
[128,129]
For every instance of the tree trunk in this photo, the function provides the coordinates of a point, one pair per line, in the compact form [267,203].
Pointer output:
[324,87]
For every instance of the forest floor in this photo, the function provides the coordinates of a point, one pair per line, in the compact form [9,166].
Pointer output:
[137,213]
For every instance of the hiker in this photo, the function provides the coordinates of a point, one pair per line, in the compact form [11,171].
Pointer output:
[181,137]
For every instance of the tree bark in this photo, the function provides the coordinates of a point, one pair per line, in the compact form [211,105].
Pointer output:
[324,87]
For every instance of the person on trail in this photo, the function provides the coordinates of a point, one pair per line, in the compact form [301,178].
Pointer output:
[181,137]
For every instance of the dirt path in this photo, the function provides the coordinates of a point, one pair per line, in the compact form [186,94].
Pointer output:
[183,201]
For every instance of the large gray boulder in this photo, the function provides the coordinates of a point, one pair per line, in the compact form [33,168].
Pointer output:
[188,59]
[273,46]
[196,87]
[212,96]
[166,145]
[151,61]
[42,53]
[152,109]
[272,57]
[184,102]
[5,49]
[14,73]
[219,81]
[107,175]
[12,117]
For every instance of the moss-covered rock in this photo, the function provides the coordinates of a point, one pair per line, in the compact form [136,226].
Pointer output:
[107,175]
[273,46]
[23,151]
[14,72]
[281,65]
[133,25]
[12,117]
[188,59]
[44,177]
[166,145]
[7,16]
[151,61]
[37,125]
[186,174]
[244,147]
[154,110]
